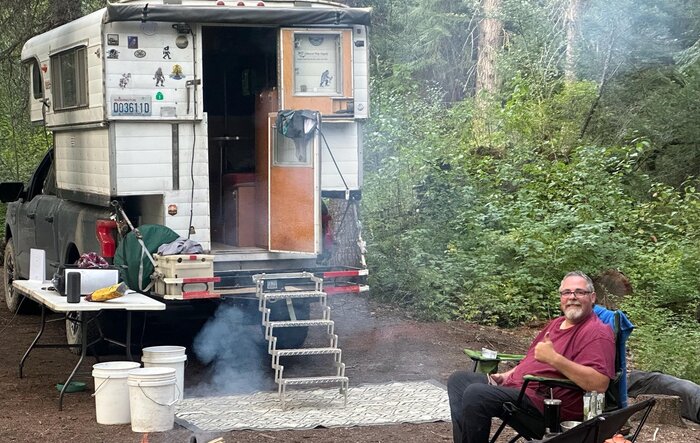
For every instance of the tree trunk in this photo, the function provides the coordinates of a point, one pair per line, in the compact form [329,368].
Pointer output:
[490,34]
[572,17]
[666,411]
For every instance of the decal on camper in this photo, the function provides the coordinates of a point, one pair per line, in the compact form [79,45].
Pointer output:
[176,73]
[159,77]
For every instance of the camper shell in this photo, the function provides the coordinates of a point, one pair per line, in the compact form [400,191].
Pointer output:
[172,108]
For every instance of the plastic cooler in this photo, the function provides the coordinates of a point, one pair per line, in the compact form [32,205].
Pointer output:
[177,275]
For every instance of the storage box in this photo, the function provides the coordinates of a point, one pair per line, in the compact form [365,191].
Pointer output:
[185,265]
[185,276]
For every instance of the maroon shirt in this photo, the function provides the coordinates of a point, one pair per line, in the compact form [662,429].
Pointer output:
[590,343]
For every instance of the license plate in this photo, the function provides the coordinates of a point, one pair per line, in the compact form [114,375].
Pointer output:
[131,106]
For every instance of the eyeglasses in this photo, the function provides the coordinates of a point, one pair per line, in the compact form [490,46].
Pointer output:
[579,293]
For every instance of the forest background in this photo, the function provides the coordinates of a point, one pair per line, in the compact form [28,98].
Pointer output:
[510,141]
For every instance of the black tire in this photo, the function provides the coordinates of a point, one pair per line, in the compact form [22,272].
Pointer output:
[15,301]
[290,338]
[74,331]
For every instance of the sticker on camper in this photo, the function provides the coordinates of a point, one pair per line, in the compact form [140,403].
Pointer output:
[113,54]
[166,52]
[133,42]
[139,53]
[159,77]
[181,42]
[113,39]
[149,28]
[124,81]
[176,73]
[131,106]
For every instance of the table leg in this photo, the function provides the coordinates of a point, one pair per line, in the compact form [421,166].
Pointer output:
[83,349]
[36,339]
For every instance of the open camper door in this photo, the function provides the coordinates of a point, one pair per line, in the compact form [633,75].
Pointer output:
[294,182]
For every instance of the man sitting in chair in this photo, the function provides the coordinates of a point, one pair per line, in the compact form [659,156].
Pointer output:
[577,346]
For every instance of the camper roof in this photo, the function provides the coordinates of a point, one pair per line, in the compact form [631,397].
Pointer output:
[283,13]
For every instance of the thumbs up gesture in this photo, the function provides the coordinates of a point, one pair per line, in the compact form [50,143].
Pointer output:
[544,350]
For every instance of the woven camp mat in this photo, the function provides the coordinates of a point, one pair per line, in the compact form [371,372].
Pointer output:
[372,404]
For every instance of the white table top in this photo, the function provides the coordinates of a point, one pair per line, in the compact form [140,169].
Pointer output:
[39,292]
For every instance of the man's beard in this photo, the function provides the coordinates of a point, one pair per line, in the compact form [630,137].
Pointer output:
[573,313]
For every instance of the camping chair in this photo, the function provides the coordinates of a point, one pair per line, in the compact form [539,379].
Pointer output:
[531,426]
[490,365]
[604,426]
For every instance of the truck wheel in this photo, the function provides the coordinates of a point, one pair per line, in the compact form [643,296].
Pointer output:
[74,330]
[15,301]
[290,338]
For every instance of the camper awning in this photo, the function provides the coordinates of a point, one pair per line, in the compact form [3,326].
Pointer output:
[267,15]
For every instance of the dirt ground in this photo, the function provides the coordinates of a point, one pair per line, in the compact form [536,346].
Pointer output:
[380,344]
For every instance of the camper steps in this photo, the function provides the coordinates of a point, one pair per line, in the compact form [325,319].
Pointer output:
[286,286]
[305,351]
[308,381]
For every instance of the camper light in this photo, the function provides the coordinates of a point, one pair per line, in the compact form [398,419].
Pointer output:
[240,4]
[172,209]
[182,28]
[261,3]
[220,3]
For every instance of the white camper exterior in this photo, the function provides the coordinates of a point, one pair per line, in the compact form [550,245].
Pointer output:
[170,106]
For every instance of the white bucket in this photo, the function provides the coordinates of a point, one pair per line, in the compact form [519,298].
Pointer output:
[167,357]
[111,391]
[152,394]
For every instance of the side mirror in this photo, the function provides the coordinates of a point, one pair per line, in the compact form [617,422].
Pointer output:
[11,191]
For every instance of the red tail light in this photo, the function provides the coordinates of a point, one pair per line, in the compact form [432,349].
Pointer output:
[104,230]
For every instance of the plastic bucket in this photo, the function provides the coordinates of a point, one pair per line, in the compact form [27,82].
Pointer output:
[111,391]
[152,394]
[167,357]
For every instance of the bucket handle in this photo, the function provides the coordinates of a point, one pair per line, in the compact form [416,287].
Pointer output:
[177,397]
[97,389]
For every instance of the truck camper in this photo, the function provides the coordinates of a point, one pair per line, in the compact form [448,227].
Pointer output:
[226,121]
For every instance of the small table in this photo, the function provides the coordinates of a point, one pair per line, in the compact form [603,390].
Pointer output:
[44,294]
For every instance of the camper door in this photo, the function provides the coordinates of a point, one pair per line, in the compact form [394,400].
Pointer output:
[294,187]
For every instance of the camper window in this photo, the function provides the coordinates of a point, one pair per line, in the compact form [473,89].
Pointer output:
[69,78]
[36,81]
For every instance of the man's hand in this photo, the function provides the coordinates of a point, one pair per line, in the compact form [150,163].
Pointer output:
[499,378]
[544,350]
[586,378]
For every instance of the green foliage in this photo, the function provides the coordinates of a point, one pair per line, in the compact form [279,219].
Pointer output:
[480,223]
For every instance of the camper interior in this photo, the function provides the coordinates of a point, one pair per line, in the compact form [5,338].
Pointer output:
[239,70]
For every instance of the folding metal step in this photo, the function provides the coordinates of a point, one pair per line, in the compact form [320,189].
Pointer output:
[289,290]
[309,381]
[297,323]
[306,351]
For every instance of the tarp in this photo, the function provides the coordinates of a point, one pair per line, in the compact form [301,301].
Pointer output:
[248,15]
[130,254]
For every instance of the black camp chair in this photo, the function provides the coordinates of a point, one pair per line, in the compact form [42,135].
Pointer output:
[604,426]
[529,425]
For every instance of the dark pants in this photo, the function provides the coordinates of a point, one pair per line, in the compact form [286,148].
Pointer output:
[473,402]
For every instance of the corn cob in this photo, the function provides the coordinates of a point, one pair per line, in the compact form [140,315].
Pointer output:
[108,293]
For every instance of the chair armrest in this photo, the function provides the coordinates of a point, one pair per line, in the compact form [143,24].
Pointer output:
[550,381]
[476,355]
